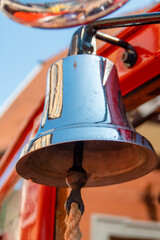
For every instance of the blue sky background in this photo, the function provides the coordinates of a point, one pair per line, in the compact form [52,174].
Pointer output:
[21,47]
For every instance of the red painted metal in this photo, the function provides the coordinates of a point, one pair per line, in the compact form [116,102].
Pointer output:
[37,212]
[145,40]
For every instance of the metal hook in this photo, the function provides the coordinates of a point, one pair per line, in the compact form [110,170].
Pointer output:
[75,196]
[129,57]
[76,179]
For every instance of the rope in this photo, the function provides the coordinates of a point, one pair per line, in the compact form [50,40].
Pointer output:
[72,223]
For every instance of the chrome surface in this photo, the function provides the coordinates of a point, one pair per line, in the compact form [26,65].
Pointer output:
[83,41]
[127,21]
[59,13]
[83,103]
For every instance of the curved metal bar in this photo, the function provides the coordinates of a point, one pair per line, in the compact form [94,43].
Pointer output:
[83,40]
[113,40]
[127,21]
[129,57]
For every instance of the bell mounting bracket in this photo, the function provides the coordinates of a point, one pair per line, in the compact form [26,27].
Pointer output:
[84,39]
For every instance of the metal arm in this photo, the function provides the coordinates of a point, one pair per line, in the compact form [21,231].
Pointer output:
[127,21]
[83,40]
[129,57]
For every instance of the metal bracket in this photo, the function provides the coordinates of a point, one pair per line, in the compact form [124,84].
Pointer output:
[129,57]
[84,39]
[84,42]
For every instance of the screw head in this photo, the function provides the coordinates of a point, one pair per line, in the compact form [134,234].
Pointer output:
[129,58]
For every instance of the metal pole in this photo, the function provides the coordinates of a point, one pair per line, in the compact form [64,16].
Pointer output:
[127,21]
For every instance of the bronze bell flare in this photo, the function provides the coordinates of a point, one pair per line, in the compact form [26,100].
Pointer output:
[84,105]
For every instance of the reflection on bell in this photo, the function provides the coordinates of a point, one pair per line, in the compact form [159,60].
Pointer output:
[83,103]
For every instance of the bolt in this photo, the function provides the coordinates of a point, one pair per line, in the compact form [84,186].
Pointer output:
[129,58]
[87,47]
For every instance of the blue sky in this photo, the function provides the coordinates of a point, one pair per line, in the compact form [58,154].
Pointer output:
[22,48]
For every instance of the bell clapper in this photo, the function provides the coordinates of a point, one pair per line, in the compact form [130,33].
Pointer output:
[76,179]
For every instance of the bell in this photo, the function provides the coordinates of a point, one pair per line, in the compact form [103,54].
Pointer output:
[84,108]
